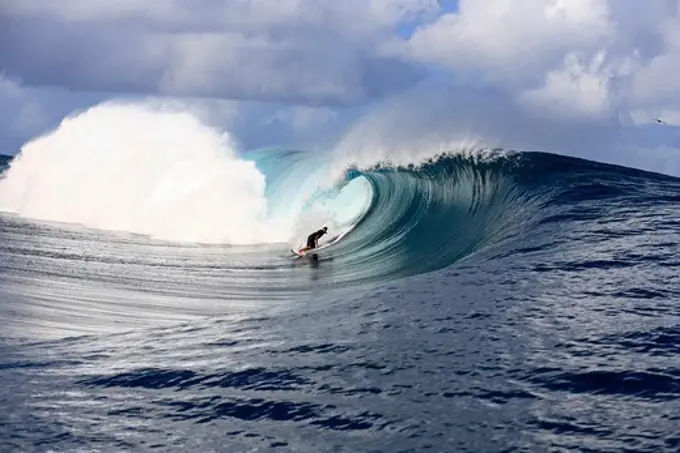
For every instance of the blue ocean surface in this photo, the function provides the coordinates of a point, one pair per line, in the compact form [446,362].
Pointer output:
[467,302]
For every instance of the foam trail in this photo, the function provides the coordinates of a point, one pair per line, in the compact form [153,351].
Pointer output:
[143,170]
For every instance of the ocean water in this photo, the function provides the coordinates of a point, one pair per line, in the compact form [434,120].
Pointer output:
[465,302]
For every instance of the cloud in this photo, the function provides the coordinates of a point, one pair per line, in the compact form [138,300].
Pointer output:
[657,82]
[351,17]
[26,112]
[512,42]
[578,88]
[589,56]
[301,51]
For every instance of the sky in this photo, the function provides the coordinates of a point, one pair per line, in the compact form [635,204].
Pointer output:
[581,77]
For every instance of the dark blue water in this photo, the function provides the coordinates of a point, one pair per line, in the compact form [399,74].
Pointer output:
[530,304]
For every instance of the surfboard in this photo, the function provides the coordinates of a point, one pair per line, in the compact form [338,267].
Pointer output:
[298,254]
[313,256]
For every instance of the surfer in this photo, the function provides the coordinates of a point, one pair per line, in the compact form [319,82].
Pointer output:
[313,240]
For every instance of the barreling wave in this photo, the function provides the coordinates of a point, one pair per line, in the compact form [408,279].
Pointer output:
[172,178]
[425,216]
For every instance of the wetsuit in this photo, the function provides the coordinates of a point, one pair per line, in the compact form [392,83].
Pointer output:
[312,238]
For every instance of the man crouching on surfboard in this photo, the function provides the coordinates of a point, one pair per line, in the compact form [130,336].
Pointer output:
[313,240]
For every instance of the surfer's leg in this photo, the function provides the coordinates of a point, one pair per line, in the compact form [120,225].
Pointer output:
[310,245]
